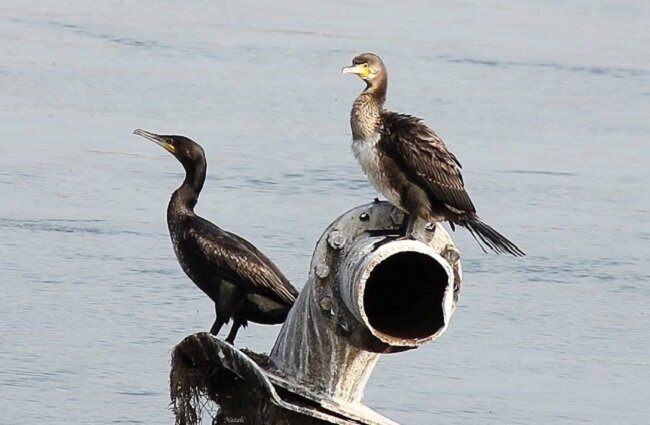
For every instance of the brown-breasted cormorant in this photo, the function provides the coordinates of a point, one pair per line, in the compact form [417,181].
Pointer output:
[408,163]
[243,283]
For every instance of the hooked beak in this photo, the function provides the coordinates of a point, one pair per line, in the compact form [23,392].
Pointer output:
[157,139]
[359,70]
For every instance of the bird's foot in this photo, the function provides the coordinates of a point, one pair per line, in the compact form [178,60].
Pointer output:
[384,232]
[216,326]
[391,238]
[233,332]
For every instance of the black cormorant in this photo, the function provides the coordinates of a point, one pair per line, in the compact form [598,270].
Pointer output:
[408,163]
[243,283]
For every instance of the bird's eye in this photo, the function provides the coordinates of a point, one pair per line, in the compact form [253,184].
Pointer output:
[365,65]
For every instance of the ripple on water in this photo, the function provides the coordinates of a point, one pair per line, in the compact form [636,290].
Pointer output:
[539,172]
[64,226]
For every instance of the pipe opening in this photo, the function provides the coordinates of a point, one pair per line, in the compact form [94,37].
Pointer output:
[403,296]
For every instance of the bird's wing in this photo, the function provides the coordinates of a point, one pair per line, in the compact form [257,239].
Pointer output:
[266,260]
[422,154]
[231,258]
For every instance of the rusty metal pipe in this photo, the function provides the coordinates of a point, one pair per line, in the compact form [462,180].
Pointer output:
[360,301]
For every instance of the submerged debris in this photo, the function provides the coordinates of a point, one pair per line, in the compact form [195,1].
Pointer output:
[210,383]
[200,386]
[192,390]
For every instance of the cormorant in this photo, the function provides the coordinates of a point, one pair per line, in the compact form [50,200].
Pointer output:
[408,162]
[243,283]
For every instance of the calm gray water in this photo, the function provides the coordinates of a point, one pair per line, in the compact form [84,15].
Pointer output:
[546,103]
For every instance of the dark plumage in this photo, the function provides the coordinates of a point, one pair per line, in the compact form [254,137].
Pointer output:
[409,163]
[243,283]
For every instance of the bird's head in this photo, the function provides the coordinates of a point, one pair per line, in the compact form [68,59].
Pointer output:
[187,151]
[368,66]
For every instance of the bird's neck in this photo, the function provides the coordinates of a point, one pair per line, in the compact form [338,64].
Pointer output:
[365,117]
[184,199]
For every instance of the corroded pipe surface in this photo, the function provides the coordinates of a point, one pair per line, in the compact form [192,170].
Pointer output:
[364,296]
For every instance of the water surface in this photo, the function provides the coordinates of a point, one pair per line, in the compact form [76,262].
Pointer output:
[546,104]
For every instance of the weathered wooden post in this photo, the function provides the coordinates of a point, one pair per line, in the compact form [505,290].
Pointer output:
[364,296]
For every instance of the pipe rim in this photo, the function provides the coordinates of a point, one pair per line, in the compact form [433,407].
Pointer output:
[384,253]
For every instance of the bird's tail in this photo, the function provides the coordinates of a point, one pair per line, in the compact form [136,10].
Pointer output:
[486,235]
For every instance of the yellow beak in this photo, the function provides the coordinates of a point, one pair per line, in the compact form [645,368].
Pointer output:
[156,138]
[360,70]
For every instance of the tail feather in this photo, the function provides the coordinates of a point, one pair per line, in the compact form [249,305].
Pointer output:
[486,235]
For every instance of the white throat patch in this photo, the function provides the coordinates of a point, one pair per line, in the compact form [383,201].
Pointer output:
[367,154]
